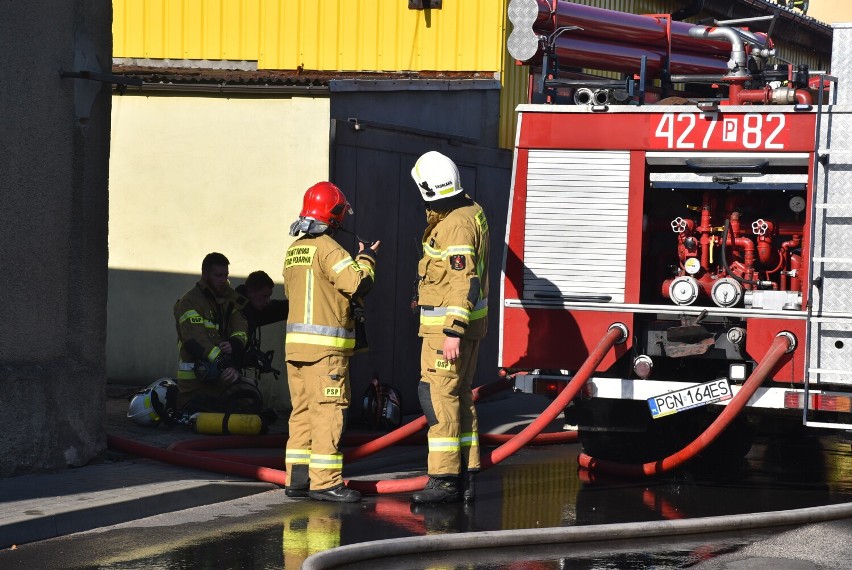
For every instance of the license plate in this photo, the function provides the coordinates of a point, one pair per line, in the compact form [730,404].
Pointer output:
[688,398]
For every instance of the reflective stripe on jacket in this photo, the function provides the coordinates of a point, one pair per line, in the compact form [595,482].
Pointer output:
[453,286]
[320,278]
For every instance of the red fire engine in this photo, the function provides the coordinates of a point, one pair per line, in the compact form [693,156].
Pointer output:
[708,228]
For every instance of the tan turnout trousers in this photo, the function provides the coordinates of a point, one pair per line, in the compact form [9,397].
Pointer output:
[320,395]
[445,394]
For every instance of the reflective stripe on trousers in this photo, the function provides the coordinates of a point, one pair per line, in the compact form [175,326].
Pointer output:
[319,392]
[453,431]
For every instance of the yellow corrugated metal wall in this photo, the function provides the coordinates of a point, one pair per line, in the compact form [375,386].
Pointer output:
[356,35]
[382,35]
[187,29]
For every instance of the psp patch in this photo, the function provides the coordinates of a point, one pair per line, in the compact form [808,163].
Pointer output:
[333,392]
[457,262]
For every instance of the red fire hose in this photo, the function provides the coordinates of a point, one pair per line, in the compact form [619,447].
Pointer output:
[784,343]
[614,335]
[188,453]
[200,447]
[413,427]
[229,467]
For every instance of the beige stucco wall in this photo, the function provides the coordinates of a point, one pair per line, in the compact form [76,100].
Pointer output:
[831,11]
[193,174]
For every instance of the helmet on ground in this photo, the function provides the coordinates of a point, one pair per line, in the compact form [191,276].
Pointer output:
[151,406]
[381,406]
[436,176]
[391,407]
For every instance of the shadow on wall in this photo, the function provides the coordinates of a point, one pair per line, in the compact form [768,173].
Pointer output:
[141,336]
[550,338]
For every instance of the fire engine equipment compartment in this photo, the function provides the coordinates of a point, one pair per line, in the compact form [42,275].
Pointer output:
[725,229]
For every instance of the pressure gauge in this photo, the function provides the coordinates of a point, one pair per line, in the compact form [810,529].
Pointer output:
[692,265]
[797,204]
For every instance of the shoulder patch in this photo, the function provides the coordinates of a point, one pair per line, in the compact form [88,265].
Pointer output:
[457,262]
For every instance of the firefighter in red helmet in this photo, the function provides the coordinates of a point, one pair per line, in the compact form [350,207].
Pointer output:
[321,279]
[452,297]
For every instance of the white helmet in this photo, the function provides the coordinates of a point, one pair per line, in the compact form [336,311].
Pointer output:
[436,176]
[150,406]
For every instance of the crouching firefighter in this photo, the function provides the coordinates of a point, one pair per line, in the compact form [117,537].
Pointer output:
[452,299]
[320,280]
[211,339]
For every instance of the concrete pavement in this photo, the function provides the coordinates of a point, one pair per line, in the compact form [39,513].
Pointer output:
[119,488]
[123,487]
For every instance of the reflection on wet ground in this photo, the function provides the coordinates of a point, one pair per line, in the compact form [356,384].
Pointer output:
[536,488]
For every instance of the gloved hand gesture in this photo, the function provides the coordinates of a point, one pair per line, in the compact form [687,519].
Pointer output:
[358,314]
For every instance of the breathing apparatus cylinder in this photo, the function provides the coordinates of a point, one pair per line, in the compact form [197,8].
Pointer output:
[228,424]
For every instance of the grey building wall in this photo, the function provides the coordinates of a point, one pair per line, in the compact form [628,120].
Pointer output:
[54,151]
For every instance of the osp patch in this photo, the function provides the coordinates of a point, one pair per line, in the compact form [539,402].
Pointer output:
[457,262]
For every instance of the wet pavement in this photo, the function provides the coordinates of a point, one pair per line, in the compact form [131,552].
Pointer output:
[534,489]
[537,488]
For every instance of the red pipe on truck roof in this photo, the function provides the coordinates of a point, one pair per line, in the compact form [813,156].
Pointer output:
[598,54]
[619,26]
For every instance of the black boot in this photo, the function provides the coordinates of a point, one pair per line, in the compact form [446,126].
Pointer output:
[337,494]
[299,482]
[467,482]
[438,490]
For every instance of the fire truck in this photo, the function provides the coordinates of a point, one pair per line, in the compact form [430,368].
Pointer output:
[703,223]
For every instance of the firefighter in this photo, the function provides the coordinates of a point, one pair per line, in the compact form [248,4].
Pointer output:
[260,309]
[211,338]
[321,280]
[452,298]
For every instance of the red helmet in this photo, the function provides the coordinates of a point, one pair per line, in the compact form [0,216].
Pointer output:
[324,202]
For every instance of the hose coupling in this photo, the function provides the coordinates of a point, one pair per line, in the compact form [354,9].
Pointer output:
[624,332]
[791,338]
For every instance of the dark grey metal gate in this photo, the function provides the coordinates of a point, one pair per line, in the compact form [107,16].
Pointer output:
[372,164]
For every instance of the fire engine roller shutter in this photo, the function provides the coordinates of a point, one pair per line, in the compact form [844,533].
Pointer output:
[576,224]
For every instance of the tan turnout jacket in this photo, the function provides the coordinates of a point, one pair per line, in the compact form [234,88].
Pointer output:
[203,321]
[320,279]
[453,286]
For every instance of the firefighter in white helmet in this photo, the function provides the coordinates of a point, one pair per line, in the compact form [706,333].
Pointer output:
[320,280]
[452,300]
